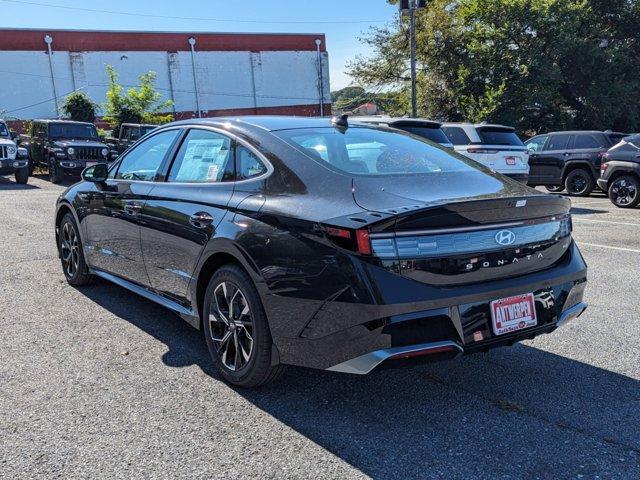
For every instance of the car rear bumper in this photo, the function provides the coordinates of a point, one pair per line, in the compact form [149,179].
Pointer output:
[450,326]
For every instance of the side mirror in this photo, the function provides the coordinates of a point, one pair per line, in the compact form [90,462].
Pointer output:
[96,173]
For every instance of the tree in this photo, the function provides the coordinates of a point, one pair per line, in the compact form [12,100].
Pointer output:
[536,64]
[137,105]
[78,106]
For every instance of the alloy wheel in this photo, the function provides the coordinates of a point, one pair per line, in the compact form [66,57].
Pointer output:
[578,184]
[69,249]
[624,192]
[231,325]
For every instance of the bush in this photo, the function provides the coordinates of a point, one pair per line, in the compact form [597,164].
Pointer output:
[78,106]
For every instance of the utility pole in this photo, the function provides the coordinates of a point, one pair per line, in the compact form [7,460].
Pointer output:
[410,7]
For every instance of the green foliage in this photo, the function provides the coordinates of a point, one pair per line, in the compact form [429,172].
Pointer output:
[537,64]
[349,98]
[79,106]
[135,105]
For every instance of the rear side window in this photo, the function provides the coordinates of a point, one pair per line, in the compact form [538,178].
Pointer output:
[456,135]
[558,142]
[536,144]
[249,165]
[587,141]
[204,157]
[433,134]
[499,136]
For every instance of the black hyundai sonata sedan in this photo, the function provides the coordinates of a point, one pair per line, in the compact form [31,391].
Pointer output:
[315,242]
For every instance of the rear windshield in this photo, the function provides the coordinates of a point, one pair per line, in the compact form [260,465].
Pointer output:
[433,134]
[361,150]
[146,129]
[73,131]
[497,136]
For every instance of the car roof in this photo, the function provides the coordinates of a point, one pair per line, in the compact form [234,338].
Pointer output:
[397,120]
[49,120]
[267,122]
[575,132]
[139,125]
[477,125]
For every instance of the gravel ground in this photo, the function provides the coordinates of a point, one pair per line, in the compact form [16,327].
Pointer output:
[99,383]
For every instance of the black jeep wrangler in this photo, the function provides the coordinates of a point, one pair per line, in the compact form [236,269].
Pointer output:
[65,147]
[128,134]
[569,160]
[13,159]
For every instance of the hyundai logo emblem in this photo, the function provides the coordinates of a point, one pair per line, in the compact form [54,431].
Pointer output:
[505,237]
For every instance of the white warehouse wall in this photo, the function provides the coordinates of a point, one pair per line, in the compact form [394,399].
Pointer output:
[227,80]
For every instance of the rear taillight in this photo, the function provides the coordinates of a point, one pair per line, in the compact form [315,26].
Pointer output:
[363,241]
[482,150]
[356,240]
[603,168]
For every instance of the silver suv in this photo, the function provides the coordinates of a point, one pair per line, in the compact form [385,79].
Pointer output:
[13,160]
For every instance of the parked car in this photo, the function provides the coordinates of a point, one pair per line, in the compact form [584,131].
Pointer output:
[569,160]
[418,126]
[65,147]
[13,159]
[495,146]
[128,134]
[620,173]
[291,240]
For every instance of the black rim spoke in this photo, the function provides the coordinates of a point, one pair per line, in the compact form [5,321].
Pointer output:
[231,326]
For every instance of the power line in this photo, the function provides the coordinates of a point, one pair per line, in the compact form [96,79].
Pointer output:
[173,17]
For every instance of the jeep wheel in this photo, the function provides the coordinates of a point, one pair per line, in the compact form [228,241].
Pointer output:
[74,266]
[236,329]
[22,175]
[554,188]
[579,183]
[54,175]
[624,192]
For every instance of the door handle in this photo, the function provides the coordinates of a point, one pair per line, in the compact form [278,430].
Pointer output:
[201,220]
[132,208]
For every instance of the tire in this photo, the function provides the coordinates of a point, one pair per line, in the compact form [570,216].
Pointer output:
[22,175]
[624,191]
[230,285]
[554,188]
[54,175]
[579,183]
[74,265]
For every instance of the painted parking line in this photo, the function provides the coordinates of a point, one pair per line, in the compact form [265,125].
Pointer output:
[611,222]
[633,250]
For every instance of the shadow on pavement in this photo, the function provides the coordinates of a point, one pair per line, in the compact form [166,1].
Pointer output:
[8,184]
[586,211]
[517,412]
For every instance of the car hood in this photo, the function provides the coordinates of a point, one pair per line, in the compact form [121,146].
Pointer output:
[6,141]
[404,193]
[78,143]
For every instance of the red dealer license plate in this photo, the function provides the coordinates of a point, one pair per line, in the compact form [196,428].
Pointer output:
[513,313]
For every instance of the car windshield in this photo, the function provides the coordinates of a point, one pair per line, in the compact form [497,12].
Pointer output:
[499,136]
[74,131]
[4,131]
[367,151]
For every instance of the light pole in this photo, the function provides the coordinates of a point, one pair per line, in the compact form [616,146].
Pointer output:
[192,44]
[409,7]
[49,40]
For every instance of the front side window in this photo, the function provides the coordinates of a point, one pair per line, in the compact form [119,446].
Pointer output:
[204,157]
[143,162]
[4,131]
[536,144]
[249,165]
[456,135]
[75,131]
[558,142]
[367,151]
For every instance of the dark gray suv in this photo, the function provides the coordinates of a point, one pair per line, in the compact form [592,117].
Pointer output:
[569,160]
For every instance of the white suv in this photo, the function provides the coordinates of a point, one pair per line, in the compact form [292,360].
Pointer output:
[13,160]
[495,146]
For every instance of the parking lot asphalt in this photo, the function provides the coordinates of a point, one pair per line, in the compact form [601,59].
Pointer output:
[99,383]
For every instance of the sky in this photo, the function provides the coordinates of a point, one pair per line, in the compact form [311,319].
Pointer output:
[342,21]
